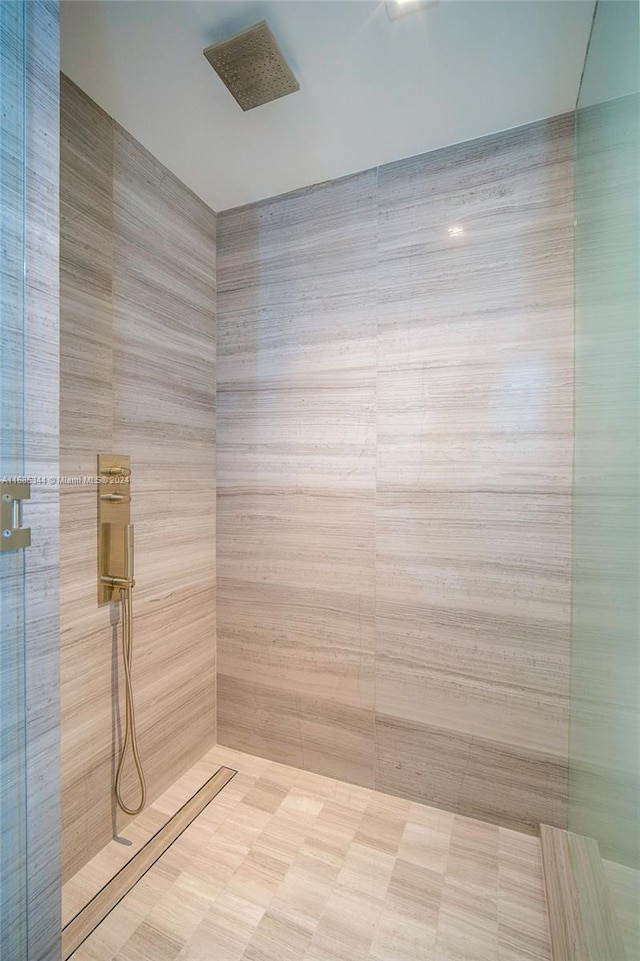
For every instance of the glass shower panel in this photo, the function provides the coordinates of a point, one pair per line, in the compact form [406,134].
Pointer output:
[604,776]
[13,881]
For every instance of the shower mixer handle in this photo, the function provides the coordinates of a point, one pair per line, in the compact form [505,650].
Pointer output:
[115,471]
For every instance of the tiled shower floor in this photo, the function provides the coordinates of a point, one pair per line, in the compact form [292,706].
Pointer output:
[285,865]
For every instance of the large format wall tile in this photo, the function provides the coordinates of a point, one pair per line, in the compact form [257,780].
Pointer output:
[472,602]
[456,659]
[138,378]
[296,477]
[513,786]
[474,447]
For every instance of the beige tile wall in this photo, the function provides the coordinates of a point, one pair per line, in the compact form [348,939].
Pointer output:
[394,476]
[137,377]
[394,448]
[296,422]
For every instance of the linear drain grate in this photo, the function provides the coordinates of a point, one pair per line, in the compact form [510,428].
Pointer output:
[88,919]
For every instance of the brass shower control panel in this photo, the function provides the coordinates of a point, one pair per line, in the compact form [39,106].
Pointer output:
[114,523]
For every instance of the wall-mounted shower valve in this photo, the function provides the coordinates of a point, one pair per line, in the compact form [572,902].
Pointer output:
[115,531]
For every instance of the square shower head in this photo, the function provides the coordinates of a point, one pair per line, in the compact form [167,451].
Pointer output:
[252,67]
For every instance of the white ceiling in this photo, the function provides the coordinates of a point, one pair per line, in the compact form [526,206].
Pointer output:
[372,90]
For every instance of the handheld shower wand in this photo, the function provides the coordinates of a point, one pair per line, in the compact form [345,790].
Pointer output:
[116,570]
[130,735]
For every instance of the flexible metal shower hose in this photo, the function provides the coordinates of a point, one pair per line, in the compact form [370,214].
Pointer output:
[130,736]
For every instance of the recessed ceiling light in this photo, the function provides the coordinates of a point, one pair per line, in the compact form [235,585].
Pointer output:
[399,8]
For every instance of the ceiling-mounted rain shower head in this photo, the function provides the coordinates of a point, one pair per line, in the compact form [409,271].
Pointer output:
[252,67]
